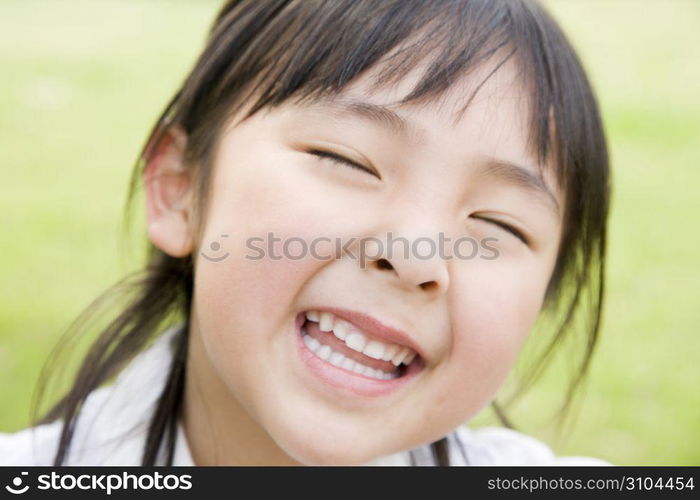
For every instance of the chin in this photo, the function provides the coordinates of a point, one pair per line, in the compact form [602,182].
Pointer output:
[307,445]
[317,454]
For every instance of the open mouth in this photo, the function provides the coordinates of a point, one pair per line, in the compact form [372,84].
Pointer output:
[346,346]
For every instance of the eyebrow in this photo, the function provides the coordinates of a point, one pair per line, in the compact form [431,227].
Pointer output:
[502,170]
[521,177]
[375,113]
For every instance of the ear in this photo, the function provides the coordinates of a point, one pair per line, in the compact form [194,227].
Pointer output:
[167,189]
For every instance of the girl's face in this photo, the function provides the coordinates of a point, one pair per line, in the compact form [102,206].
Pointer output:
[459,319]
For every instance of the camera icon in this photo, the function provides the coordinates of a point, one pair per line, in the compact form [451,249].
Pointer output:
[16,485]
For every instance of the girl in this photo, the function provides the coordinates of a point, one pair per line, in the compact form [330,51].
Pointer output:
[287,328]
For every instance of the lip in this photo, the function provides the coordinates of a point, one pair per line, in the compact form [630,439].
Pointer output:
[374,328]
[350,382]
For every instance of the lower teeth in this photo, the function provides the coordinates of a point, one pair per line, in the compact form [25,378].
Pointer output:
[338,359]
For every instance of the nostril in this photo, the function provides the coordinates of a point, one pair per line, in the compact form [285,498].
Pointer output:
[384,264]
[428,285]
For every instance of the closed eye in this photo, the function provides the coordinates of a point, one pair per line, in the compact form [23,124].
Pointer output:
[506,227]
[336,158]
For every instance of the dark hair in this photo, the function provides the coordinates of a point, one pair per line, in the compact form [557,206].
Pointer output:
[306,49]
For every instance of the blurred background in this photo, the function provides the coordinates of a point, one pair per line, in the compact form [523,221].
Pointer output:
[82,82]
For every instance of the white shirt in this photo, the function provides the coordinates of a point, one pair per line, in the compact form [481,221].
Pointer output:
[113,424]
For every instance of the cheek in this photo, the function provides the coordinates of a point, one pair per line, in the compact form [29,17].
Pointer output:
[275,208]
[261,200]
[495,306]
[248,203]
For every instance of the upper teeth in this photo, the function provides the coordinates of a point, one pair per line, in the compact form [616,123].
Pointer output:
[358,341]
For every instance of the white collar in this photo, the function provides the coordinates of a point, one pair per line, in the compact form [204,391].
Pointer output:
[183,457]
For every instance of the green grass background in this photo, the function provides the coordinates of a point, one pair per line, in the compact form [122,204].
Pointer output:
[82,81]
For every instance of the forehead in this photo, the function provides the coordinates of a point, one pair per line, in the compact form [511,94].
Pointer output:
[486,107]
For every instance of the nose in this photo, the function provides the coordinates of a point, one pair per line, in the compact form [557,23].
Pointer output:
[416,264]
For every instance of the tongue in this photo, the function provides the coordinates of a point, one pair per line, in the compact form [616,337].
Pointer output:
[327,338]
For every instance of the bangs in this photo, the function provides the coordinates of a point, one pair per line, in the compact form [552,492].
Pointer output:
[308,50]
